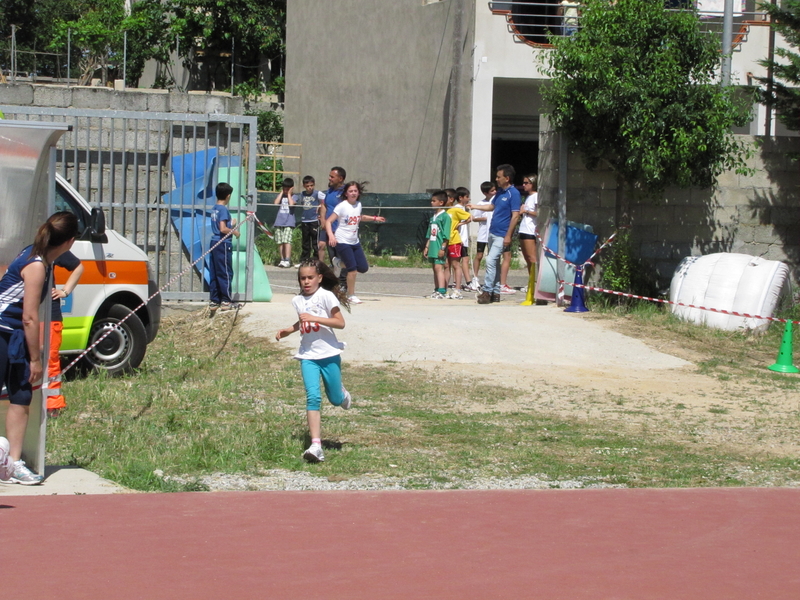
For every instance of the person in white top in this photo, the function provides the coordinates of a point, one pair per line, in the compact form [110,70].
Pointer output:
[348,246]
[528,225]
[483,219]
[319,314]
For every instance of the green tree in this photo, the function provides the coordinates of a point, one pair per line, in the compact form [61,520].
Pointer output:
[636,88]
[97,30]
[210,28]
[784,97]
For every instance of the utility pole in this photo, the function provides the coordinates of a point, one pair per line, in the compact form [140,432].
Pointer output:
[727,42]
[455,83]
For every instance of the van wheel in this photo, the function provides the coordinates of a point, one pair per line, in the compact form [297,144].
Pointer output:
[123,349]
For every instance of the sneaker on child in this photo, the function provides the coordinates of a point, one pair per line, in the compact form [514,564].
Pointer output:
[314,454]
[23,475]
[6,462]
[507,289]
[354,300]
[436,296]
[348,399]
[455,295]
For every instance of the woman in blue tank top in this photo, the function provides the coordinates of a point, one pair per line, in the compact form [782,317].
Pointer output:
[22,289]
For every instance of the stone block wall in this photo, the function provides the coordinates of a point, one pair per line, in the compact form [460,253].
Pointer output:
[757,214]
[103,98]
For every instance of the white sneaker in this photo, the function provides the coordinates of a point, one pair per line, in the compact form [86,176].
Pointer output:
[348,399]
[337,263]
[6,462]
[455,295]
[314,454]
[507,289]
[23,475]
[436,296]
[354,300]
[474,285]
[524,289]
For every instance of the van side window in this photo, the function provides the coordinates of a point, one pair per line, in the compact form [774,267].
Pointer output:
[64,201]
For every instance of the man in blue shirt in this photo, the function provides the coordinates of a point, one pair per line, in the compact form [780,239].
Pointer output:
[505,214]
[332,197]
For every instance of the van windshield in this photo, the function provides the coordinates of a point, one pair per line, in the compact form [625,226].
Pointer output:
[65,201]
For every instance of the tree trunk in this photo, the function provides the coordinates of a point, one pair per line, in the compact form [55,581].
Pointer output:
[622,216]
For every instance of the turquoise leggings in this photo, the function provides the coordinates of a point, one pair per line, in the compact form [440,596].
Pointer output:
[331,371]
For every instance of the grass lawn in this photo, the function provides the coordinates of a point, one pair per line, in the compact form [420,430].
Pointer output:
[210,399]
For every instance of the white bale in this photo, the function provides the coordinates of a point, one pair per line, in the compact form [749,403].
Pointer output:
[727,281]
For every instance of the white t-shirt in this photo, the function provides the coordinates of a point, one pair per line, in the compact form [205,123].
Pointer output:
[483,226]
[317,341]
[528,223]
[349,218]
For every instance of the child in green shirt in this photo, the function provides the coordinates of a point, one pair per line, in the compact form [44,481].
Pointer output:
[438,238]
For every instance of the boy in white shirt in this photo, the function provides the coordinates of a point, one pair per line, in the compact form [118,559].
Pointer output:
[483,219]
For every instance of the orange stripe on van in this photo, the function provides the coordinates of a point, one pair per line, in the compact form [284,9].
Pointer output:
[107,271]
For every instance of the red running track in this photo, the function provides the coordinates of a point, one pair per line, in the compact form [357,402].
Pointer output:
[585,544]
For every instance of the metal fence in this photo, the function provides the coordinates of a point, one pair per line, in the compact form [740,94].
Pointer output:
[154,175]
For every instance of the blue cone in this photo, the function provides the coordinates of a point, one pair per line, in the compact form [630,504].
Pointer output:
[577,305]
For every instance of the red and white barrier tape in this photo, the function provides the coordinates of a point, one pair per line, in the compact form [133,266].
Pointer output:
[586,262]
[661,301]
[156,293]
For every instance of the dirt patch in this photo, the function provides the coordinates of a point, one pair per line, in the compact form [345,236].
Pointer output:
[591,366]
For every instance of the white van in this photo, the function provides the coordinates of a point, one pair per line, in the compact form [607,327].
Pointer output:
[116,280]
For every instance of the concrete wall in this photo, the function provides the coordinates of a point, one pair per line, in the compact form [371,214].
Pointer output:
[101,98]
[757,215]
[368,88]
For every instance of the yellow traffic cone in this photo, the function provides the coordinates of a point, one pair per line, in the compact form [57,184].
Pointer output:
[531,287]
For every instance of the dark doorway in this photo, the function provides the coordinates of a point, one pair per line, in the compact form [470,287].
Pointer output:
[522,155]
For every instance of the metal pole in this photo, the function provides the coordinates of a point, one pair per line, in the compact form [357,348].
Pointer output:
[233,61]
[562,214]
[727,42]
[69,51]
[770,87]
[13,54]
[125,58]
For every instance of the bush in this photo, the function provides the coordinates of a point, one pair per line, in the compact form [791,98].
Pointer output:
[623,271]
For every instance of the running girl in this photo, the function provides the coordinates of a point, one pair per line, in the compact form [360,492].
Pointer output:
[319,314]
[346,242]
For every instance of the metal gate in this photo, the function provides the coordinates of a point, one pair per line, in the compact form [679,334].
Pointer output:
[154,175]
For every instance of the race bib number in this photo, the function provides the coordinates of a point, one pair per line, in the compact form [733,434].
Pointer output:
[434,231]
[309,327]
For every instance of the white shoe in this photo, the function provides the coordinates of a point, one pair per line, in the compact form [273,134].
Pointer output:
[474,285]
[524,289]
[348,399]
[507,289]
[337,263]
[354,300]
[436,296]
[314,454]
[6,462]
[23,475]
[455,295]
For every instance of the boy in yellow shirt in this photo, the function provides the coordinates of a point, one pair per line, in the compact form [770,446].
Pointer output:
[458,217]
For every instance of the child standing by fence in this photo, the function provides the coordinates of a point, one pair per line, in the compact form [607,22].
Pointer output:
[319,314]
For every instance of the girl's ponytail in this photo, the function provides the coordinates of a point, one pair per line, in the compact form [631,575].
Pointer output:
[59,228]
